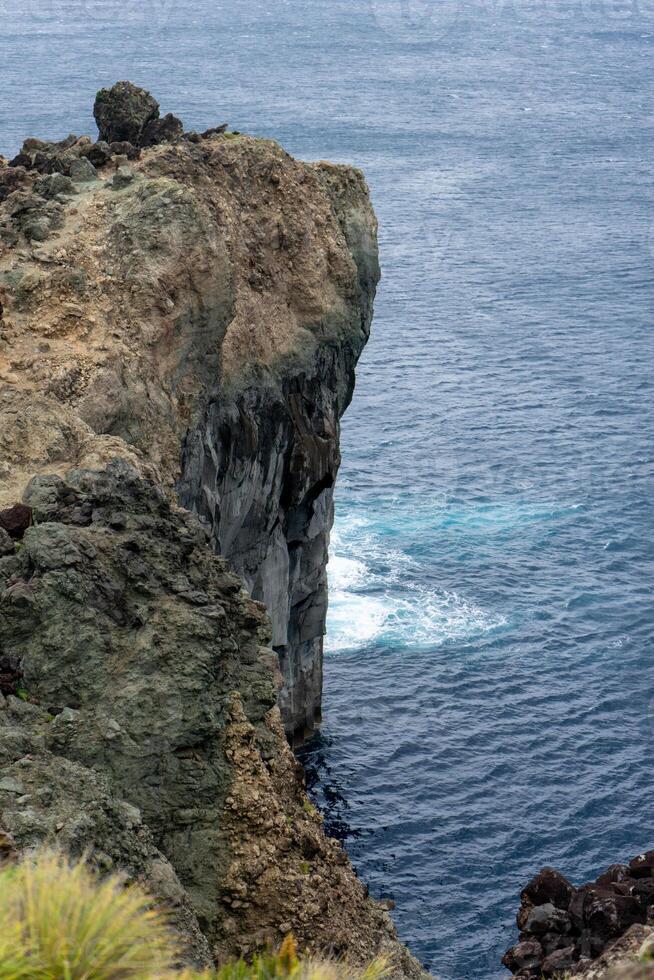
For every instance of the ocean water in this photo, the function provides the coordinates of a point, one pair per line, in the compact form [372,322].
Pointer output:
[489,701]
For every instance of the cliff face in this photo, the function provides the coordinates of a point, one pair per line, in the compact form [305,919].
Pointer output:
[218,300]
[189,325]
[261,464]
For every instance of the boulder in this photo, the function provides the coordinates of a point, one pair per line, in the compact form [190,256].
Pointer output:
[643,891]
[526,955]
[547,918]
[642,866]
[51,185]
[166,130]
[559,962]
[21,160]
[614,873]
[16,520]
[608,915]
[123,112]
[11,178]
[214,131]
[548,886]
[82,170]
[552,941]
[122,178]
[37,228]
[125,149]
[98,153]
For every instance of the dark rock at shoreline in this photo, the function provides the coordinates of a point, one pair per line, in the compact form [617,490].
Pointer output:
[214,131]
[11,179]
[565,927]
[642,866]
[614,874]
[548,886]
[560,961]
[524,955]
[547,919]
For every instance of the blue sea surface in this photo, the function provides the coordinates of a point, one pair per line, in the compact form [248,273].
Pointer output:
[489,699]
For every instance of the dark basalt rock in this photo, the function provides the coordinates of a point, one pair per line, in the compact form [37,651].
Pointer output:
[16,520]
[11,178]
[214,131]
[551,942]
[576,925]
[642,866]
[643,891]
[46,157]
[524,955]
[609,915]
[548,886]
[51,185]
[547,919]
[123,112]
[166,130]
[559,961]
[128,114]
[614,874]
[21,160]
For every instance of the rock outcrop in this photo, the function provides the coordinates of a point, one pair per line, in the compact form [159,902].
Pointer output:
[216,295]
[568,930]
[179,326]
[126,113]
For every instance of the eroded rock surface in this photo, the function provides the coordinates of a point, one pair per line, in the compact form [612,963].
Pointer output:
[213,299]
[214,295]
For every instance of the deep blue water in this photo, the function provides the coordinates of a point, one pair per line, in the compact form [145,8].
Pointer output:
[489,679]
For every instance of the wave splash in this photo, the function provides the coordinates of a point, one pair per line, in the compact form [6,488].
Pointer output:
[376,598]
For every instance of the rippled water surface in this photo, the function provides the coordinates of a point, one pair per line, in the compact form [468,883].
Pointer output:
[489,670]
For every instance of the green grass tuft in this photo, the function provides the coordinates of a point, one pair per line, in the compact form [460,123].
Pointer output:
[60,922]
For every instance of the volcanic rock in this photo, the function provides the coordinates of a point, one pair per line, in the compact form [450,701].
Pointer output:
[123,112]
[548,886]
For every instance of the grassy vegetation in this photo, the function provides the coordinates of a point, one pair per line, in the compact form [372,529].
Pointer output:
[59,922]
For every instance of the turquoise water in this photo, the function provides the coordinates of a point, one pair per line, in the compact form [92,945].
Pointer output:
[489,680]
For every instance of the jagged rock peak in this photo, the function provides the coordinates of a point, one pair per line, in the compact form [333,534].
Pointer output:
[126,113]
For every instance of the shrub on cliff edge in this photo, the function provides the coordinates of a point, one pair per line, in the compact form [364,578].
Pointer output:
[59,922]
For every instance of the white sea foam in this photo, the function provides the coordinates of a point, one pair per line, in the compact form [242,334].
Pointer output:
[354,621]
[345,573]
[379,600]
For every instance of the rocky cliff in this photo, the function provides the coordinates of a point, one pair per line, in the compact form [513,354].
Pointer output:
[180,318]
